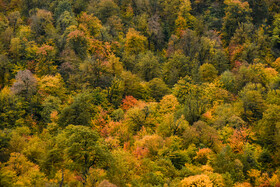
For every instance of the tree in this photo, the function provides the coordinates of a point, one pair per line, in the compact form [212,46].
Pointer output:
[197,180]
[82,146]
[260,11]
[155,32]
[192,98]
[83,108]
[91,23]
[14,20]
[45,60]
[65,20]
[176,67]
[133,86]
[148,66]
[29,6]
[124,163]
[95,72]
[169,12]
[135,43]
[228,80]
[158,88]
[79,43]
[268,127]
[42,23]
[207,72]
[25,85]
[140,118]
[24,172]
[106,9]
[236,13]
[52,85]
[5,70]
[128,102]
[12,109]
[50,104]
[276,32]
[149,145]
[253,103]
[170,126]
[207,136]
[61,8]
[225,161]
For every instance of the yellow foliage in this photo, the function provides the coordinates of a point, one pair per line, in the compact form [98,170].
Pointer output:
[149,145]
[203,155]
[27,173]
[197,181]
[168,104]
[52,85]
[135,42]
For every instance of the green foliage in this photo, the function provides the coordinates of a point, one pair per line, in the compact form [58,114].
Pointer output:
[236,12]
[106,9]
[207,72]
[148,66]
[83,149]
[276,31]
[177,66]
[83,108]
[158,88]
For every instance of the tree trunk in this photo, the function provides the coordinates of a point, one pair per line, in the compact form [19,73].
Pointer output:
[62,178]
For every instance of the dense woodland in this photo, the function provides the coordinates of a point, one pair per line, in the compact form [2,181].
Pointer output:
[140,93]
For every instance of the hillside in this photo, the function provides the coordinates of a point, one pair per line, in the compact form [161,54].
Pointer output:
[145,93]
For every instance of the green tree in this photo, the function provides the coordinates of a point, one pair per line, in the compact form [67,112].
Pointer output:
[61,8]
[83,108]
[253,102]
[236,12]
[65,20]
[176,67]
[148,66]
[41,24]
[207,72]
[5,70]
[116,92]
[106,9]
[228,81]
[276,32]
[226,161]
[84,149]
[133,86]
[158,88]
[268,127]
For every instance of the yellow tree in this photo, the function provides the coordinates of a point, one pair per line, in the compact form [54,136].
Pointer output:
[135,43]
[197,180]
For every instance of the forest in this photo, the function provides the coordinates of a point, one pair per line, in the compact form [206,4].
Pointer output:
[140,93]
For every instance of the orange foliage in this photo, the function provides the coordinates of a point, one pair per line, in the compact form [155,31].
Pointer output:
[203,155]
[75,34]
[239,138]
[45,50]
[141,152]
[117,130]
[149,145]
[128,102]
[244,184]
[100,121]
[100,49]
